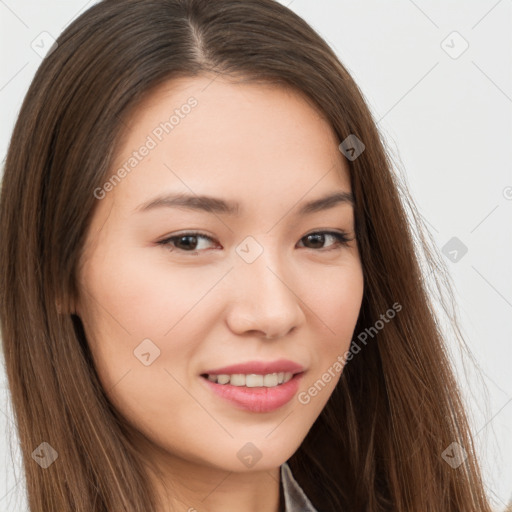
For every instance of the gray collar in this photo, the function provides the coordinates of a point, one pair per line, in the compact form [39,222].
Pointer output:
[295,500]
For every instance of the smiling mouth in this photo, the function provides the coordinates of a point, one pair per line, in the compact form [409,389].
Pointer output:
[255,393]
[251,380]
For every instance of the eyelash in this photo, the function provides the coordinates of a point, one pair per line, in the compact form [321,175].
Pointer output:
[341,237]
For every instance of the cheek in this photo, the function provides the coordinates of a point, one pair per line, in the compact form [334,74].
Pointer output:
[335,296]
[148,297]
[138,312]
[336,299]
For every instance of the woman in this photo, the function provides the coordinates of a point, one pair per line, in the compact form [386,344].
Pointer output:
[211,298]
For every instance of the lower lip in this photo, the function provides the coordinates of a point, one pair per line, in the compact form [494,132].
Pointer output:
[258,399]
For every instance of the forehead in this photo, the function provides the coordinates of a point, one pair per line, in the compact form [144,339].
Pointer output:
[225,137]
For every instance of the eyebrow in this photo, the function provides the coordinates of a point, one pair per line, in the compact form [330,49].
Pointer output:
[221,206]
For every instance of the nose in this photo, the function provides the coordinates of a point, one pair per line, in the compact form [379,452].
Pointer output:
[265,302]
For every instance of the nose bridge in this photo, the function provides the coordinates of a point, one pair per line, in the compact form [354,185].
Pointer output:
[265,278]
[262,266]
[265,300]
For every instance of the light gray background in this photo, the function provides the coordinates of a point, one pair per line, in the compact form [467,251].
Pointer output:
[447,118]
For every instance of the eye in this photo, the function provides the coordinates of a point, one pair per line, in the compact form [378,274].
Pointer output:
[186,242]
[318,238]
[190,241]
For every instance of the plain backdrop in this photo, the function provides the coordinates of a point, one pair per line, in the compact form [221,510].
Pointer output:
[437,77]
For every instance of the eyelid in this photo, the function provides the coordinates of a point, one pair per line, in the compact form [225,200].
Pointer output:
[186,233]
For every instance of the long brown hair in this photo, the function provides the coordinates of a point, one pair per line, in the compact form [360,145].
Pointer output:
[378,443]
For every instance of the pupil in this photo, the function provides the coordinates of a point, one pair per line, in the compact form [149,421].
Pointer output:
[319,239]
[188,237]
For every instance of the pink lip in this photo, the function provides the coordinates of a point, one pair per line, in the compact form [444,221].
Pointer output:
[259,368]
[258,399]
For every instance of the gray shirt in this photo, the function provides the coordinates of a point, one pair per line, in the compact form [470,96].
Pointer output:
[295,500]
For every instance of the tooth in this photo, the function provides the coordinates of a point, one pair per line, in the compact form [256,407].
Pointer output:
[222,379]
[287,376]
[270,380]
[238,379]
[253,381]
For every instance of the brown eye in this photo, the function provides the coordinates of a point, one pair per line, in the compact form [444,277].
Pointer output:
[186,242]
[317,240]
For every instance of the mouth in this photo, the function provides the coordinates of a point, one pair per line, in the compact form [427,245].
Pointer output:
[256,391]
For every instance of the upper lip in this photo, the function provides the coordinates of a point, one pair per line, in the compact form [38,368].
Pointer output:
[258,368]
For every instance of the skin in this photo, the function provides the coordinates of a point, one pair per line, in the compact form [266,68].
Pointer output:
[268,148]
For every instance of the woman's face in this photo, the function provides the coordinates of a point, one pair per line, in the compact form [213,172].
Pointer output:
[265,285]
